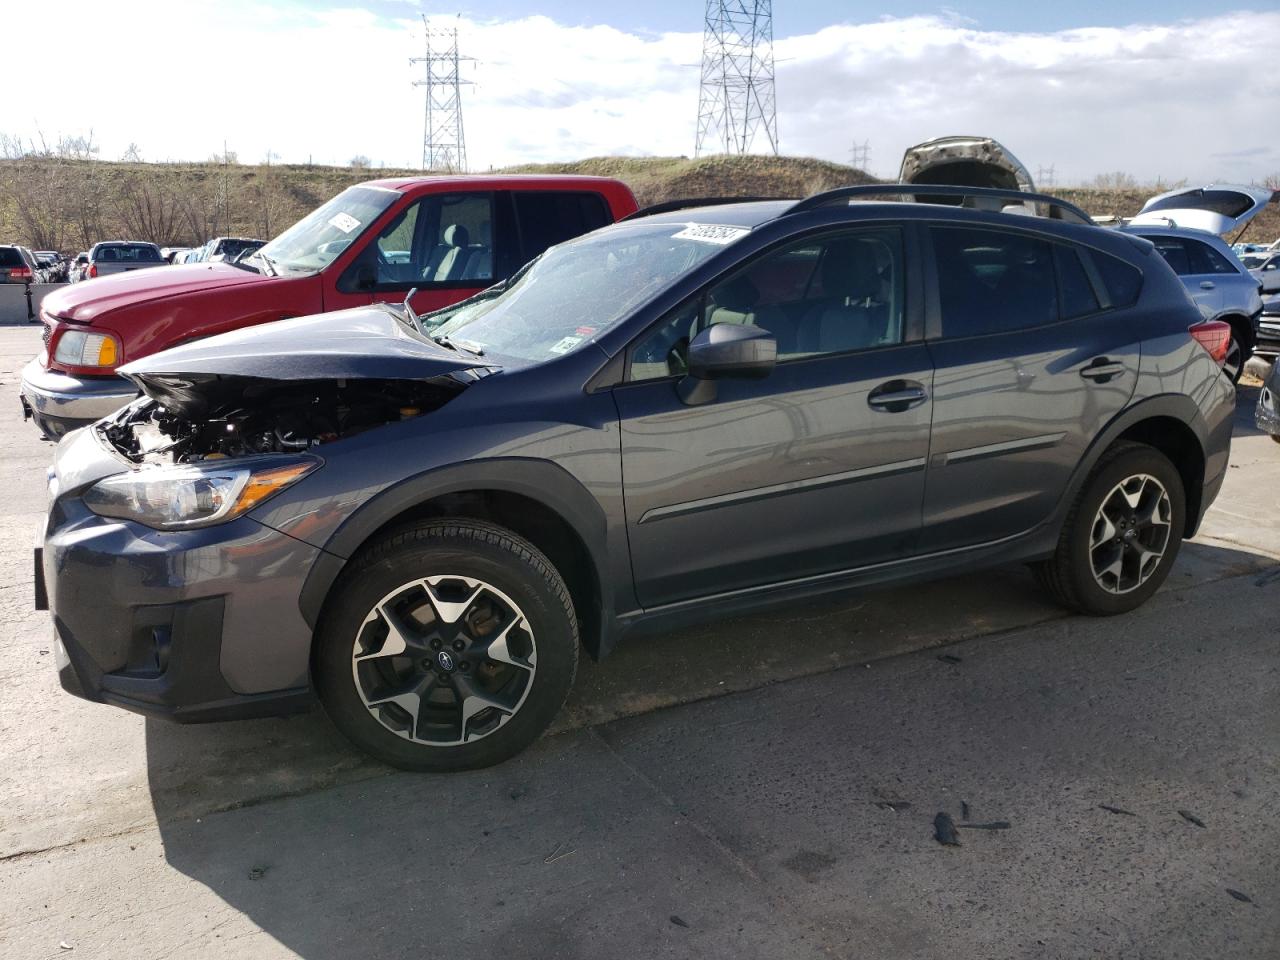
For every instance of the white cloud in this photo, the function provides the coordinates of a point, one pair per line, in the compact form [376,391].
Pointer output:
[1186,99]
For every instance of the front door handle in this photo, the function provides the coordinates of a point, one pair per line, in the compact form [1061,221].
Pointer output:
[1206,284]
[895,396]
[1102,369]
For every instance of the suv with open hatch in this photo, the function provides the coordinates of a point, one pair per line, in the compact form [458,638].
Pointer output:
[684,416]
[444,238]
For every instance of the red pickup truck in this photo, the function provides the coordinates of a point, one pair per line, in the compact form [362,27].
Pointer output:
[448,237]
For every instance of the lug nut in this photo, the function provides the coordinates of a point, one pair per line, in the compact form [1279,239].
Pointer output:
[464,666]
[458,645]
[435,644]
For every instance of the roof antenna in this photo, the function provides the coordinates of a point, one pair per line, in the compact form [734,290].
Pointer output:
[408,311]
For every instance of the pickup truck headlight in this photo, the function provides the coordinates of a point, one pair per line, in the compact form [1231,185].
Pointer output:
[79,348]
[194,495]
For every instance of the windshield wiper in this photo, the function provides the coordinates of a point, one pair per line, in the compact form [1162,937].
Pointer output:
[465,346]
[267,263]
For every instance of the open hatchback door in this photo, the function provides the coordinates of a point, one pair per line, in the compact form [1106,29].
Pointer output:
[1218,208]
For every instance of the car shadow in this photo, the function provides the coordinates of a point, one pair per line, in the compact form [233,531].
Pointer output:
[366,861]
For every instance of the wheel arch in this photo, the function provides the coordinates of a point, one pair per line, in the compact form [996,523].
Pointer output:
[535,499]
[1172,424]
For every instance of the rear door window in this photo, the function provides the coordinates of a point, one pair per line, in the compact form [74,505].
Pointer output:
[1205,259]
[990,281]
[1078,296]
[1175,252]
[1122,281]
[9,257]
[547,217]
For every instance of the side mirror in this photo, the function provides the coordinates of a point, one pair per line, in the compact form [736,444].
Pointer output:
[724,351]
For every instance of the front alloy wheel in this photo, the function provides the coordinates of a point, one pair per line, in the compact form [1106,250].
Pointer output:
[448,645]
[444,660]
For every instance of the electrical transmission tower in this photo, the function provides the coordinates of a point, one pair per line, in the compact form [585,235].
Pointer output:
[860,155]
[1045,177]
[736,100]
[443,145]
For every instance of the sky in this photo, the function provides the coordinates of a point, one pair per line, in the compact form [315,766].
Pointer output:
[1159,90]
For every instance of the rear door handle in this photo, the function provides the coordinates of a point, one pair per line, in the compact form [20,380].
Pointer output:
[1206,285]
[895,396]
[1102,369]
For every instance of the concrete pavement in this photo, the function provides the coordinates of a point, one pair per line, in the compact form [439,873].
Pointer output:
[749,779]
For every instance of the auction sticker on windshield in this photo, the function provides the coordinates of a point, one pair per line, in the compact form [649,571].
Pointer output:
[716,233]
[344,222]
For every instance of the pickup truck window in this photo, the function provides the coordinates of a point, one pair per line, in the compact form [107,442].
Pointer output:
[313,242]
[548,217]
[128,253]
[444,238]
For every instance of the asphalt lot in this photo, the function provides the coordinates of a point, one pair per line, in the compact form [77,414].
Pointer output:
[763,787]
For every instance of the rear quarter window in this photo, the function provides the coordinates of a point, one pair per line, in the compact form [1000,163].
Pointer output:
[1123,281]
[548,217]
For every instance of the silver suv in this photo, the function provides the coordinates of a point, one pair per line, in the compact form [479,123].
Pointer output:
[1186,226]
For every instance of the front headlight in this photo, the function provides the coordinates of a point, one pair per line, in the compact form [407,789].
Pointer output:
[194,495]
[79,348]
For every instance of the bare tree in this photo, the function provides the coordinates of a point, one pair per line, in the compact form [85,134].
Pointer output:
[359,162]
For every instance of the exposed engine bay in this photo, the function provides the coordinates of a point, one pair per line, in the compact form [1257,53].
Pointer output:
[189,418]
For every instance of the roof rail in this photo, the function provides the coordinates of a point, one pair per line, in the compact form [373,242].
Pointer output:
[672,205]
[1058,209]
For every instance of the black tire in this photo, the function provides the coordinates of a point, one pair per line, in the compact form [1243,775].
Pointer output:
[1238,354]
[454,548]
[1068,575]
[1275,437]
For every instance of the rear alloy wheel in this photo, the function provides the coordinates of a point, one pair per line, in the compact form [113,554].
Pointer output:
[1237,356]
[448,646]
[1122,534]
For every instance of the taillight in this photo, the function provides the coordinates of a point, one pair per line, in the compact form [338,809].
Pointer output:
[92,271]
[20,273]
[1215,337]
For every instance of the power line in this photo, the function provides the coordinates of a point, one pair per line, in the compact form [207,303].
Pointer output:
[444,146]
[736,98]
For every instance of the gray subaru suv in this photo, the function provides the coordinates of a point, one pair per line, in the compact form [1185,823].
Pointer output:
[684,416]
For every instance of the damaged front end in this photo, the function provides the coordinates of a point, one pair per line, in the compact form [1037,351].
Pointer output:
[285,388]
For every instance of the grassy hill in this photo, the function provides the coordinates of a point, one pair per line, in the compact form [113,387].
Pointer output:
[63,204]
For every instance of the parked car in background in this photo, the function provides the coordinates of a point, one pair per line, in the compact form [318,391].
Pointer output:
[444,238]
[171,254]
[229,248]
[122,256]
[76,271]
[1265,266]
[1267,415]
[1187,227]
[49,264]
[1267,332]
[425,517]
[17,265]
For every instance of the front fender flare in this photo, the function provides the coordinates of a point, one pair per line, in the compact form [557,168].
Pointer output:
[540,480]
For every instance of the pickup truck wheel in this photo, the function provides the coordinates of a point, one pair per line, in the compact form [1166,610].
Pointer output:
[447,646]
[1121,535]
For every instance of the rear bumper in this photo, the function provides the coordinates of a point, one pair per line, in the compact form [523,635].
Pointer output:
[60,402]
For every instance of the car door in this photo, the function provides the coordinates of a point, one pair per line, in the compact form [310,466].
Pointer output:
[1032,358]
[1193,271]
[817,467]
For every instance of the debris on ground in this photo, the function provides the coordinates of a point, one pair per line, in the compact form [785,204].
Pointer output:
[63,945]
[993,825]
[1242,897]
[559,853]
[1120,810]
[964,809]
[678,922]
[1190,817]
[949,658]
[894,805]
[257,873]
[944,830]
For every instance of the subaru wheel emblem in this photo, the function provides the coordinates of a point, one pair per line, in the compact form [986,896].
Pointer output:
[446,660]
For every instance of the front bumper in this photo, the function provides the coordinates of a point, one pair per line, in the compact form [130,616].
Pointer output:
[60,402]
[1267,335]
[189,625]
